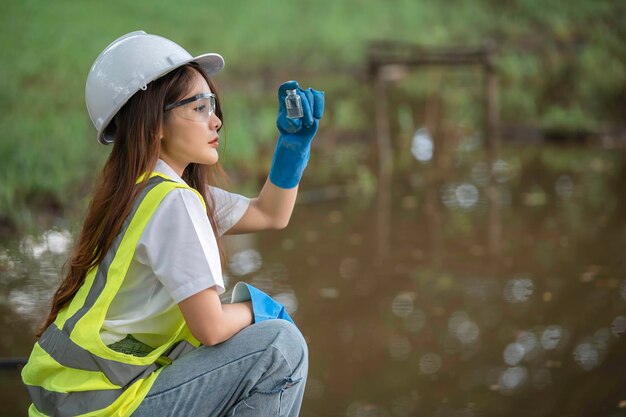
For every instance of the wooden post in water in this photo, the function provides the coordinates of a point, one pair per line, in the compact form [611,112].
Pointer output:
[385,165]
[492,139]
[401,56]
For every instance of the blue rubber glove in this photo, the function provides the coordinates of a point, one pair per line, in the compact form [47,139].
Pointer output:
[263,306]
[295,135]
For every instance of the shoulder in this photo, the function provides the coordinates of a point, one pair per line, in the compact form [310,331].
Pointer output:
[180,211]
[179,217]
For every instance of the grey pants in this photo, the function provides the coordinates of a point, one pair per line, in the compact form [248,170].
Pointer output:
[261,371]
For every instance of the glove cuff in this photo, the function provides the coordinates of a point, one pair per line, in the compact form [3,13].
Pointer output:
[288,165]
[264,307]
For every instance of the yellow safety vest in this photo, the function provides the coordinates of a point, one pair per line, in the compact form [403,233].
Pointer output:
[71,372]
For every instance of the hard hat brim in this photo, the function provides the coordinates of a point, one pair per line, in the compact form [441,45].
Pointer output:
[210,63]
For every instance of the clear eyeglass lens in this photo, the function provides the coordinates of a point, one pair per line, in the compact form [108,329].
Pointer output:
[199,110]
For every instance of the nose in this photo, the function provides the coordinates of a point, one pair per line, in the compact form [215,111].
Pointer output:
[214,122]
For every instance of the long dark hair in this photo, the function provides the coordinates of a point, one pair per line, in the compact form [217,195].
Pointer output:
[136,150]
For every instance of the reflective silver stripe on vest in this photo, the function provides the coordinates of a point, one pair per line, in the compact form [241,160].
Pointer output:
[57,343]
[103,269]
[66,352]
[59,404]
[61,348]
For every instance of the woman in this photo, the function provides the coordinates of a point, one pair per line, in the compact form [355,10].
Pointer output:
[137,326]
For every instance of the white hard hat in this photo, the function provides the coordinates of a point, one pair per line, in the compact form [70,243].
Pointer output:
[127,65]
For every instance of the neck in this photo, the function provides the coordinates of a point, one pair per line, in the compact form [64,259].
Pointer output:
[177,167]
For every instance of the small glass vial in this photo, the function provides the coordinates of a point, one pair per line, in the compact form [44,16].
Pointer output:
[293,103]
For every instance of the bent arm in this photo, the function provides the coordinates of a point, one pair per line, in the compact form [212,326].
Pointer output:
[273,208]
[270,210]
[212,322]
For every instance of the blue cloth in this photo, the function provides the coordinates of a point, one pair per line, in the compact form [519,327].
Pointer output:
[263,306]
[295,135]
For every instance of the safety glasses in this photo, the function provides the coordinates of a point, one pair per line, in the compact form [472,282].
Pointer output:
[198,108]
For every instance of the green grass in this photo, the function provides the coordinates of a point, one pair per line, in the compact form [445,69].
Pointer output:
[562,64]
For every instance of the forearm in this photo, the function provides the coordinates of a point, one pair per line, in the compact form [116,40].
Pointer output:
[273,207]
[236,317]
[277,203]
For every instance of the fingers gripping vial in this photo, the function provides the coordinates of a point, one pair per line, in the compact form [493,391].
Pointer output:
[299,114]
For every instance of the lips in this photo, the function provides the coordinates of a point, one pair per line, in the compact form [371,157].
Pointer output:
[214,140]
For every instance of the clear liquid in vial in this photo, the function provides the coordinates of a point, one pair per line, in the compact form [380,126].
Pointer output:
[293,103]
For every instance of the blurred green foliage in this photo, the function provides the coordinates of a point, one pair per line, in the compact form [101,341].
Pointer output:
[562,65]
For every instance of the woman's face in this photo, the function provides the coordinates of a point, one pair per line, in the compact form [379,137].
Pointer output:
[188,141]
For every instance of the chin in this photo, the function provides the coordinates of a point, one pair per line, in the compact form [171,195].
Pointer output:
[211,160]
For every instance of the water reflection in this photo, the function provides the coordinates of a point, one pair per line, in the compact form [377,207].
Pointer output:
[564,186]
[518,290]
[463,328]
[587,356]
[415,321]
[551,337]
[422,145]
[52,241]
[464,196]
[618,326]
[440,326]
[512,379]
[349,268]
[513,353]
[245,262]
[500,171]
[402,304]
[30,275]
[430,363]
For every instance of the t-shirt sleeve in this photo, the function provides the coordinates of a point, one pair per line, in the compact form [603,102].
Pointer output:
[229,208]
[179,245]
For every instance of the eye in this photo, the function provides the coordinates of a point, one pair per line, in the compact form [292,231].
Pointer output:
[200,109]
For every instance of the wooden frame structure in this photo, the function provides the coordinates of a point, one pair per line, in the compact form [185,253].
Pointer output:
[389,60]
[385,55]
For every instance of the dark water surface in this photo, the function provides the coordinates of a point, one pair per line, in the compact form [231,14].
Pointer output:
[448,294]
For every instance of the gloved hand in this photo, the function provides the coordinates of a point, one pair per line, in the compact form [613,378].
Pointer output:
[263,306]
[295,135]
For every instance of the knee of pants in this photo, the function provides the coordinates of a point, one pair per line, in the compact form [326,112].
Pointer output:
[290,342]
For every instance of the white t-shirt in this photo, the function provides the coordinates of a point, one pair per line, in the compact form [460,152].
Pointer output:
[176,257]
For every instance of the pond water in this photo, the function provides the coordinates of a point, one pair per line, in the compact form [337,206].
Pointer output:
[467,287]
